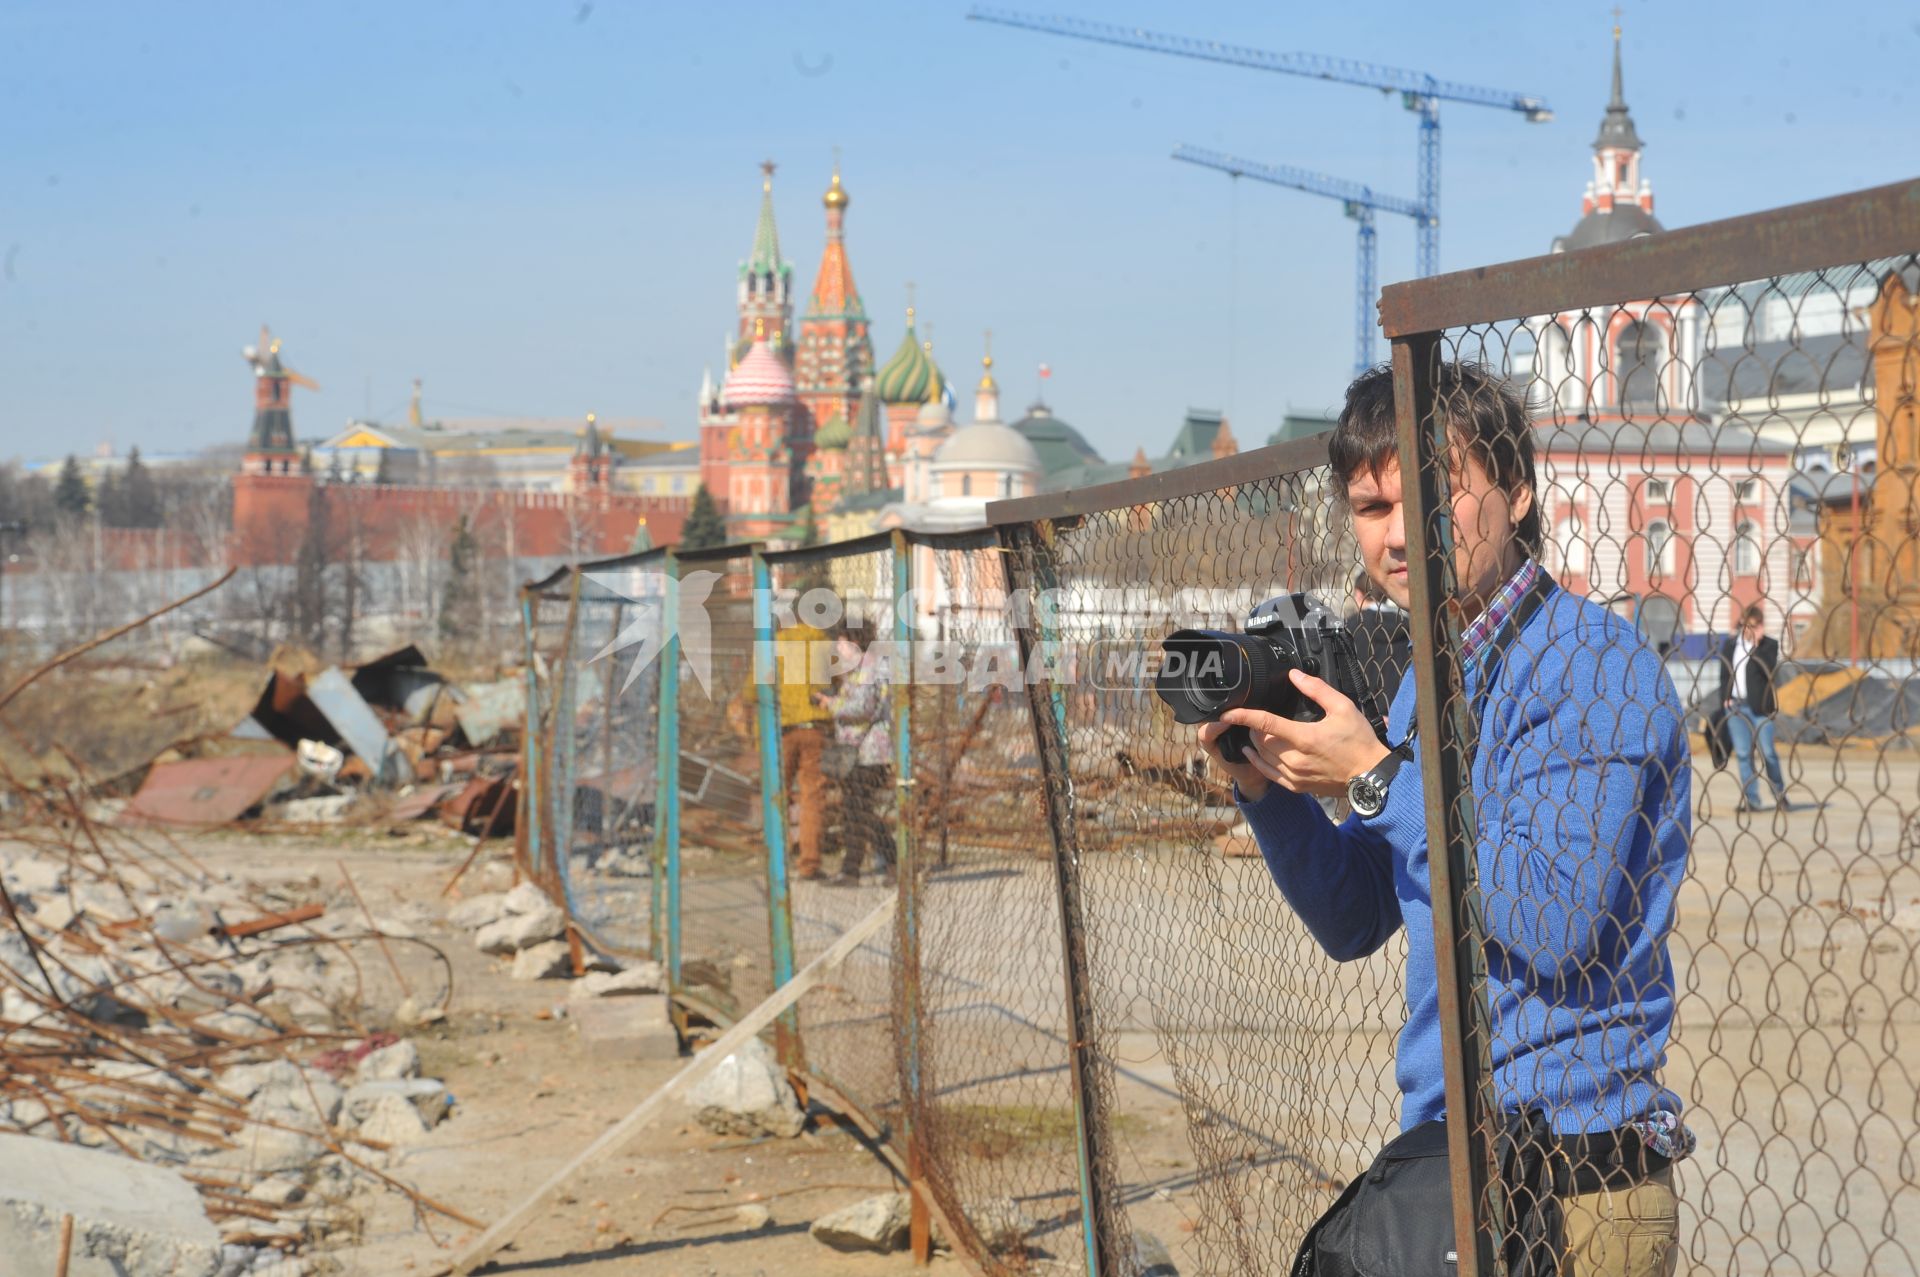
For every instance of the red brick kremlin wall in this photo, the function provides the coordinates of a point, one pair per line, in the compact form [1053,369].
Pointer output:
[270,519]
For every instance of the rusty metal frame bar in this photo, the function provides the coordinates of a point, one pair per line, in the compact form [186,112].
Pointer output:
[906,878]
[1845,229]
[1048,710]
[1170,485]
[1447,737]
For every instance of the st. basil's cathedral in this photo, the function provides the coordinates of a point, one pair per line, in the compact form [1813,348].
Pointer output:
[806,420]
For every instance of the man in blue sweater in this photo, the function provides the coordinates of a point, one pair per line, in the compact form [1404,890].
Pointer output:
[1581,780]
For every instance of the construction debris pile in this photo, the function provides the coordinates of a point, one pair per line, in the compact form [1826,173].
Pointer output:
[391,740]
[214,1031]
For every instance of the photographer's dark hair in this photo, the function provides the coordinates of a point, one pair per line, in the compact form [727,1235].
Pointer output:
[1485,413]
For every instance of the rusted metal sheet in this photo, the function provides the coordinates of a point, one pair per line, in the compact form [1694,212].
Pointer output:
[481,806]
[205,791]
[333,693]
[421,801]
[1844,230]
[286,714]
[1206,476]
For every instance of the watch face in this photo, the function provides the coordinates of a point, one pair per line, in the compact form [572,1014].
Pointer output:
[1366,795]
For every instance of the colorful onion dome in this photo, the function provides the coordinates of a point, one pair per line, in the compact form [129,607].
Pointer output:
[761,376]
[836,434]
[911,376]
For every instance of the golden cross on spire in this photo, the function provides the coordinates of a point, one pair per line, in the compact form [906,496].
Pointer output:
[1617,11]
[987,359]
[766,175]
[909,303]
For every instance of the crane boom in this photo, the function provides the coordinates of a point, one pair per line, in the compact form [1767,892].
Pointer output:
[1313,65]
[1299,179]
[1419,92]
[1361,203]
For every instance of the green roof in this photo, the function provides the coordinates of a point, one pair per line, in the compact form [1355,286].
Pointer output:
[1060,446]
[910,376]
[1301,426]
[1195,439]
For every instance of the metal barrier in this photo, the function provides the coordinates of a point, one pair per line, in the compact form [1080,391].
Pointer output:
[1723,443]
[1116,1002]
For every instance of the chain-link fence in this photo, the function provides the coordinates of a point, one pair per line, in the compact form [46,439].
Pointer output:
[1658,531]
[1678,793]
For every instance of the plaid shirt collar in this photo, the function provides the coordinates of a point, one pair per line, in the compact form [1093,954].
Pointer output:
[1499,607]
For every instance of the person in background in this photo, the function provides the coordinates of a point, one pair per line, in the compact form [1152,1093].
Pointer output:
[862,707]
[1749,664]
[804,724]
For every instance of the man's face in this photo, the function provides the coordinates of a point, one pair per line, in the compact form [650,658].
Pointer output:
[1484,516]
[1753,628]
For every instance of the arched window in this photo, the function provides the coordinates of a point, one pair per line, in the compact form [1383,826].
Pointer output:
[1006,485]
[1636,366]
[1659,548]
[1746,550]
[966,485]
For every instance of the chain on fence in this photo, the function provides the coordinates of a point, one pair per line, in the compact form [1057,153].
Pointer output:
[1694,789]
[1280,1062]
[995,1115]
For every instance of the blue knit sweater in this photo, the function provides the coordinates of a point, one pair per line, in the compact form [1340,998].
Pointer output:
[1582,784]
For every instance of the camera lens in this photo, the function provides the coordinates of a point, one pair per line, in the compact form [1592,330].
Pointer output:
[1203,674]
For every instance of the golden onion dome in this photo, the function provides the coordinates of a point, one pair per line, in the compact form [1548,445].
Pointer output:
[836,196]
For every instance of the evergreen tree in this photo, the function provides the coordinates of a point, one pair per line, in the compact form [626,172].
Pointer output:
[704,526]
[642,539]
[110,500]
[460,604]
[381,473]
[139,498]
[70,494]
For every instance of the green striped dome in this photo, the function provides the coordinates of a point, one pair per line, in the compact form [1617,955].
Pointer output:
[910,376]
[836,434]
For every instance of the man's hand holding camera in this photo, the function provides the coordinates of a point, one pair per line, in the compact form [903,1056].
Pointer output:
[1317,758]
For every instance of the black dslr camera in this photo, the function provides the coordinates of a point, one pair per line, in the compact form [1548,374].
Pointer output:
[1205,673]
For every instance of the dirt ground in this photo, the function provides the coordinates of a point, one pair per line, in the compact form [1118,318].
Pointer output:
[528,1100]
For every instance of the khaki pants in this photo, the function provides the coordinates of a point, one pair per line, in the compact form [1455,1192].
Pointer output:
[1631,1232]
[800,749]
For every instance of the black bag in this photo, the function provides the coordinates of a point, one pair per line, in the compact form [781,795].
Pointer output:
[1719,739]
[837,760]
[1396,1219]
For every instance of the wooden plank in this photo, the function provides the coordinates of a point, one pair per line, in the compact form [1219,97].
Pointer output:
[490,1242]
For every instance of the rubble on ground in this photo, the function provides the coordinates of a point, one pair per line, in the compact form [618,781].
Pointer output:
[877,1224]
[182,1065]
[747,1094]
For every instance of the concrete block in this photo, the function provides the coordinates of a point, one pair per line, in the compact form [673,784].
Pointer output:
[878,1224]
[550,961]
[634,1028]
[130,1219]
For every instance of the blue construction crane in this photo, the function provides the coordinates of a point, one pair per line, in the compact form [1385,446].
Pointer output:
[1361,202]
[1420,93]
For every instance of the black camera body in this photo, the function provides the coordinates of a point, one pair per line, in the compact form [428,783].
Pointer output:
[1205,673]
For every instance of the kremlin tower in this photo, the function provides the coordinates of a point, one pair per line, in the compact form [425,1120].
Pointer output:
[834,355]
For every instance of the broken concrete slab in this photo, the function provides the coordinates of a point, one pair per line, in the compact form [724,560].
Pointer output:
[876,1224]
[392,1119]
[327,809]
[429,1095]
[642,977]
[525,898]
[550,961]
[521,930]
[478,911]
[628,1029]
[402,1059]
[746,1093]
[130,1218]
[1000,1224]
[294,1096]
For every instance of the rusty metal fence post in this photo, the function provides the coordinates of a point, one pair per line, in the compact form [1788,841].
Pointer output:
[1450,732]
[1031,546]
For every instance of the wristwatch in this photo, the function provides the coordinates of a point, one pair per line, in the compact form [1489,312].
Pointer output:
[1367,792]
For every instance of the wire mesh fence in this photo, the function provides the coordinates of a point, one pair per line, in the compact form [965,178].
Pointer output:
[1658,527]
[995,1115]
[1280,1060]
[832,620]
[1679,792]
[725,919]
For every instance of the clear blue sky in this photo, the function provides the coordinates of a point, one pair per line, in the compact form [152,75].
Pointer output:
[538,207]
